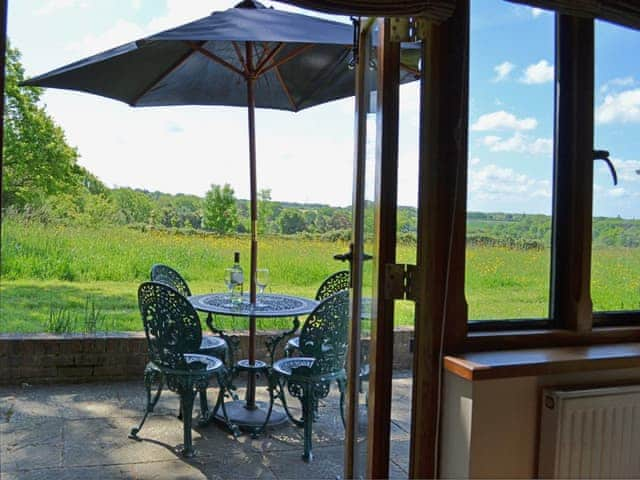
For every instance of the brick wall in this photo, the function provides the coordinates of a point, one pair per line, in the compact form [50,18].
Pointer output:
[44,358]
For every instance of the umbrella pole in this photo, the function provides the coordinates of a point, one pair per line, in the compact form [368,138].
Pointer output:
[251,380]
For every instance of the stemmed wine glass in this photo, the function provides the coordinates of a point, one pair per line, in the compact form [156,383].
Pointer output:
[229,281]
[262,280]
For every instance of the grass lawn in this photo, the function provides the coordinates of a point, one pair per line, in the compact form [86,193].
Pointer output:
[68,273]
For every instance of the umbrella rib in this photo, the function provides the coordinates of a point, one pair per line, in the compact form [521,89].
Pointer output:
[161,77]
[288,57]
[286,89]
[268,58]
[215,58]
[241,59]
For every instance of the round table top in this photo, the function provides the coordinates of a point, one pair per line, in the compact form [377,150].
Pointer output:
[268,305]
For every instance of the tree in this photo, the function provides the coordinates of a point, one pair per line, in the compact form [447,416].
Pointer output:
[38,162]
[291,221]
[220,210]
[135,206]
[265,210]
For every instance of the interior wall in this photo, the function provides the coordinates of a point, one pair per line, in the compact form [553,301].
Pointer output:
[490,428]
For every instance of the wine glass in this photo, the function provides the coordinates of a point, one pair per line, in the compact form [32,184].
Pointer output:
[262,280]
[229,281]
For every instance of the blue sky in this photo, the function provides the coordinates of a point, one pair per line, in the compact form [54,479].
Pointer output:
[308,156]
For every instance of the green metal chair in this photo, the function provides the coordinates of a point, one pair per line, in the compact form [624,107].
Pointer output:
[323,348]
[173,332]
[215,346]
[334,283]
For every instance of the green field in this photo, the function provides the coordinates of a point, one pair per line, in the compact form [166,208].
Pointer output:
[64,272]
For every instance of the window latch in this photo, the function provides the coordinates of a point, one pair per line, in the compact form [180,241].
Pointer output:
[604,156]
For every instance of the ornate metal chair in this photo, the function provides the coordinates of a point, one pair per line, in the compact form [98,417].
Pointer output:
[173,332]
[167,275]
[211,345]
[323,347]
[334,283]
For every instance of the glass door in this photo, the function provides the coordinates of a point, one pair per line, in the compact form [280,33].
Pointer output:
[361,270]
[373,250]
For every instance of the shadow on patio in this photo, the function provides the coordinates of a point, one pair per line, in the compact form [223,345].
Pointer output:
[80,431]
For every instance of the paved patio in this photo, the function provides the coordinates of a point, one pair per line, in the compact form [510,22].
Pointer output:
[80,432]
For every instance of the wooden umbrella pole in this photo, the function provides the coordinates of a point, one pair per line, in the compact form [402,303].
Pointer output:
[251,385]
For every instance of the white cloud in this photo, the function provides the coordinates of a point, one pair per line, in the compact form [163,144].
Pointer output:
[540,72]
[123,31]
[136,4]
[474,161]
[623,107]
[627,170]
[497,183]
[53,6]
[536,12]
[503,71]
[519,143]
[617,82]
[502,120]
[617,192]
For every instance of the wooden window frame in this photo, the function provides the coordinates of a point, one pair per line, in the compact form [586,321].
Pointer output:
[571,316]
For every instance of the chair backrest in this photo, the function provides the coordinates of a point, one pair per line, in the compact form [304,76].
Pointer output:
[334,283]
[324,333]
[171,324]
[168,276]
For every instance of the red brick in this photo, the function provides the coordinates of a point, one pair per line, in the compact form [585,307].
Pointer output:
[27,373]
[75,371]
[51,346]
[108,371]
[71,345]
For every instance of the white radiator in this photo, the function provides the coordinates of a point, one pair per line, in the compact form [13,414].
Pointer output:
[592,433]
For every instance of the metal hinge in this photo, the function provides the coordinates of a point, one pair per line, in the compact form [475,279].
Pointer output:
[408,29]
[400,281]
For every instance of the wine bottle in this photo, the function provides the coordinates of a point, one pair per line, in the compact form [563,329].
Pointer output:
[237,277]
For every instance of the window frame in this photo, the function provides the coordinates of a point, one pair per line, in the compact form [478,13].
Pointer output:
[571,317]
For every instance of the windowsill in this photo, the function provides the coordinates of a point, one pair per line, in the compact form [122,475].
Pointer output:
[542,361]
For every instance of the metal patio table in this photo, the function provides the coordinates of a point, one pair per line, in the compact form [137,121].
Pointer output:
[254,416]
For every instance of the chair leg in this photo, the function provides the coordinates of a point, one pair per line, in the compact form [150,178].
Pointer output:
[150,377]
[204,404]
[308,402]
[187,395]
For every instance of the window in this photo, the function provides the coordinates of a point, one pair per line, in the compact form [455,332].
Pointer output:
[511,115]
[615,266]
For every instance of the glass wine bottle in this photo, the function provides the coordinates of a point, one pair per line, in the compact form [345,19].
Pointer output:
[237,277]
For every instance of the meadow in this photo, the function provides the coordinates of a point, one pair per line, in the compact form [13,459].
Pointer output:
[74,275]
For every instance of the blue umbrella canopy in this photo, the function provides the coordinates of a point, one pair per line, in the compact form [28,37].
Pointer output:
[297,61]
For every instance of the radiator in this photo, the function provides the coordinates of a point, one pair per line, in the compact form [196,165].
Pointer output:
[592,433]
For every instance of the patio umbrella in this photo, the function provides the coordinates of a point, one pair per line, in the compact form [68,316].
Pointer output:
[249,56]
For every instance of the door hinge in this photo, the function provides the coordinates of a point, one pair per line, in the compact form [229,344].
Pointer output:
[408,29]
[400,281]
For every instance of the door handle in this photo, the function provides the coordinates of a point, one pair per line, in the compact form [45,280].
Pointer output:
[604,156]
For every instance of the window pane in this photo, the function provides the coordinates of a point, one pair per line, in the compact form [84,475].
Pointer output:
[510,161]
[615,268]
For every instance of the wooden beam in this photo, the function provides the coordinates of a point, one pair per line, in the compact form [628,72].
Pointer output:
[441,309]
[386,199]
[571,305]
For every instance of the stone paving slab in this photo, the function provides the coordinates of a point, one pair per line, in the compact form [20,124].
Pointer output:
[80,432]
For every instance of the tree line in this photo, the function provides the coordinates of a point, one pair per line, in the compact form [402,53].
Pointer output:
[42,181]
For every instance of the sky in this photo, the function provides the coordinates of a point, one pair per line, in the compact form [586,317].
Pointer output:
[308,156]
